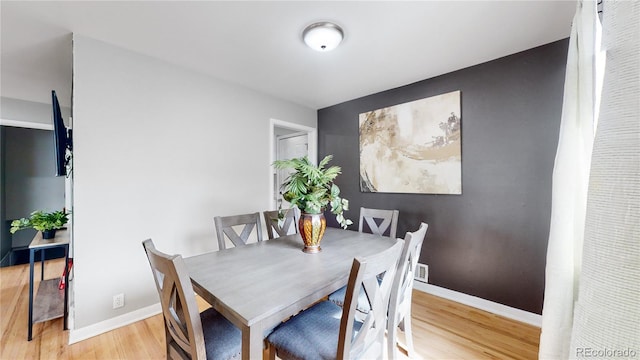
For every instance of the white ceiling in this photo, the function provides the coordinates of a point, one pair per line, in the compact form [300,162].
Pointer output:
[259,45]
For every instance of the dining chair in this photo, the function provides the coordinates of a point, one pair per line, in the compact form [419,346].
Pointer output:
[189,333]
[275,228]
[402,290]
[225,227]
[379,221]
[326,331]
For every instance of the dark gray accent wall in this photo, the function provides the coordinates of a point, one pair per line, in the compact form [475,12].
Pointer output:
[491,241]
[5,239]
[29,177]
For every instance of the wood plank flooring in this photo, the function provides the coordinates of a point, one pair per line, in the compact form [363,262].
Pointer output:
[442,329]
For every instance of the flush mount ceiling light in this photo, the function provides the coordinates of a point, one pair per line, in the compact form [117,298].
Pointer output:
[322,36]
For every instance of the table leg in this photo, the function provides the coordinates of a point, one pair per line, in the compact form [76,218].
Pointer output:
[31,260]
[252,342]
[42,265]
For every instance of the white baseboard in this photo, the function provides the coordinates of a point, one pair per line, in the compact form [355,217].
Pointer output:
[84,333]
[479,303]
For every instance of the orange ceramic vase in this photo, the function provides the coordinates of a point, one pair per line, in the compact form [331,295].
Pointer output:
[312,228]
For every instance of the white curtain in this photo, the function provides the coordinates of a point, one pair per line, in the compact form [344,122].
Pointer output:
[607,315]
[570,184]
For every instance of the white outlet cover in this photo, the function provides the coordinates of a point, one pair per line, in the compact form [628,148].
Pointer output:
[118,301]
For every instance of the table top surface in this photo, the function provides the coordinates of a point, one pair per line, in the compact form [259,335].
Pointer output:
[271,277]
[61,238]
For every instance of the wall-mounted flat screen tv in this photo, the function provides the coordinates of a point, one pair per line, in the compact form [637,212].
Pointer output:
[61,138]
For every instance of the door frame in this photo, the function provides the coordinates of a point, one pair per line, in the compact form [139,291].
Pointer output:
[312,149]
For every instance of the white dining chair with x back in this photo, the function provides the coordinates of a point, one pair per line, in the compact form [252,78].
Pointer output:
[378,222]
[402,290]
[326,331]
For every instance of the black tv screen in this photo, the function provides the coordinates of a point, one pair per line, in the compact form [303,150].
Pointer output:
[61,140]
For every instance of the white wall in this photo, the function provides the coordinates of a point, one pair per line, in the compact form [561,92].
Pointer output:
[24,113]
[158,152]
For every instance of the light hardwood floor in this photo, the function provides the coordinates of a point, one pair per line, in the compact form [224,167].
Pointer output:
[442,330]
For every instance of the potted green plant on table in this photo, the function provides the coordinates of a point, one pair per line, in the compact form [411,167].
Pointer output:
[311,189]
[46,222]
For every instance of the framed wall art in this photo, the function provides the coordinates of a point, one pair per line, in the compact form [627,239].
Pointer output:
[414,147]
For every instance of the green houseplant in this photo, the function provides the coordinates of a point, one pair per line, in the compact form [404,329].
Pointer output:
[47,222]
[311,189]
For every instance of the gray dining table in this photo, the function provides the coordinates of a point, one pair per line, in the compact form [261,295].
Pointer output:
[258,285]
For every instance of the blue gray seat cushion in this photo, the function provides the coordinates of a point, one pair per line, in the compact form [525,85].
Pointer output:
[311,335]
[337,297]
[222,339]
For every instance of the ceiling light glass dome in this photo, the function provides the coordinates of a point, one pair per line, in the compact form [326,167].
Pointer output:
[323,36]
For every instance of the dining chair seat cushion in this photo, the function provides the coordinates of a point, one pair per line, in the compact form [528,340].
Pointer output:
[222,339]
[337,297]
[312,334]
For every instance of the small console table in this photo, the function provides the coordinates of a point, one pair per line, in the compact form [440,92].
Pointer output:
[50,302]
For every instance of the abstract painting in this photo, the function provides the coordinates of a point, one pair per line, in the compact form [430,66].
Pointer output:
[413,147]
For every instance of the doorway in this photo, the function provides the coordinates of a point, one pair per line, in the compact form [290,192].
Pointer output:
[288,140]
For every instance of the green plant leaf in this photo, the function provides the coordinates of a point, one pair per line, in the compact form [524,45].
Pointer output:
[335,190]
[311,187]
[41,221]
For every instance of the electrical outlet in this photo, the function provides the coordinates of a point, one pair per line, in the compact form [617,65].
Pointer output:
[422,273]
[118,301]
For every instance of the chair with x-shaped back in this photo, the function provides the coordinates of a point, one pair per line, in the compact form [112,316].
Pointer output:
[326,331]
[400,303]
[189,333]
[379,221]
[225,227]
[286,226]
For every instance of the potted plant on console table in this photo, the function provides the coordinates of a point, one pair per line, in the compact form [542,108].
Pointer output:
[47,222]
[310,188]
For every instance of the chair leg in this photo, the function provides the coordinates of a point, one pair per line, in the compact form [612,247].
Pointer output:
[408,336]
[271,352]
[392,333]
